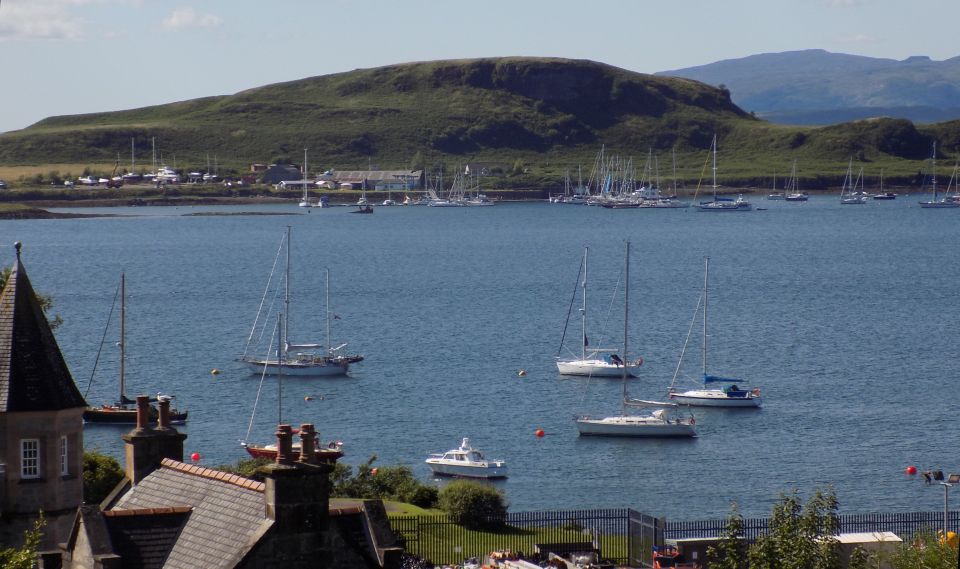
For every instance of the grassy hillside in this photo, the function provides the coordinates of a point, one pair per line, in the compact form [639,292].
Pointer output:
[549,114]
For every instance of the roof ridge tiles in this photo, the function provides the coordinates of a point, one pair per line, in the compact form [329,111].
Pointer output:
[212,474]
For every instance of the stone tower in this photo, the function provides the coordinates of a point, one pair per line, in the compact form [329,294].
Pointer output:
[41,420]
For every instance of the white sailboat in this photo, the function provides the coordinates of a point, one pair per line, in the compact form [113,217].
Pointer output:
[658,423]
[730,394]
[301,359]
[591,361]
[792,192]
[849,195]
[305,201]
[937,202]
[722,204]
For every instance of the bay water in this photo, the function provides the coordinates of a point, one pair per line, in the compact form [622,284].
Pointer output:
[844,316]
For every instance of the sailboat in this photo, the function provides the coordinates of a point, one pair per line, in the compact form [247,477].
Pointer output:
[848,193]
[884,195]
[590,361]
[659,423]
[730,395]
[791,192]
[124,410]
[328,452]
[305,200]
[722,204]
[301,359]
[937,202]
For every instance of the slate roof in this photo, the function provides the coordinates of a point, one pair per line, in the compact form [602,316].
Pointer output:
[33,373]
[227,518]
[144,538]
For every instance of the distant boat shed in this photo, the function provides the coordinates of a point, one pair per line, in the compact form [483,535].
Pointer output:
[384,180]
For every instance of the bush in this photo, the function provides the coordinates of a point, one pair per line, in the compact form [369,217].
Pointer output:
[247,467]
[473,505]
[386,483]
[101,474]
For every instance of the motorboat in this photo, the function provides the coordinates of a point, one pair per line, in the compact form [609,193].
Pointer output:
[466,462]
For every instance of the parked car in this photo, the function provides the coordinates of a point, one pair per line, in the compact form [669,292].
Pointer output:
[3,185]
[88,181]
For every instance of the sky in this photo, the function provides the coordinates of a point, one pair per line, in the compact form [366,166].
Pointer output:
[65,57]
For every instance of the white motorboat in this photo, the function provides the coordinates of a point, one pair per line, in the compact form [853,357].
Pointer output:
[658,423]
[730,395]
[466,462]
[595,362]
[300,359]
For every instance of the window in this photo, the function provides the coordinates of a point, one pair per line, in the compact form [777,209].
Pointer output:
[30,458]
[64,454]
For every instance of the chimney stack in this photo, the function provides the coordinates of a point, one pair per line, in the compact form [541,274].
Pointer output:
[308,444]
[285,445]
[146,447]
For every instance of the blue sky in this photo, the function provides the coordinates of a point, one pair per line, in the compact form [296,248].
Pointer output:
[62,57]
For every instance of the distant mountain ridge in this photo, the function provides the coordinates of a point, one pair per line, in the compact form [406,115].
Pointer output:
[819,87]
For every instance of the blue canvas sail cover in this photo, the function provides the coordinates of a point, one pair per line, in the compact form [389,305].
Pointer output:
[718,379]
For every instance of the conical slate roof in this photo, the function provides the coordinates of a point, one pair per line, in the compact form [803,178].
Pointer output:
[33,374]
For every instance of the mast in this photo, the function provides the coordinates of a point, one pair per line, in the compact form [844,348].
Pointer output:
[280,326]
[706,276]
[286,297]
[583,310]
[123,340]
[327,286]
[934,170]
[626,320]
[714,167]
[133,156]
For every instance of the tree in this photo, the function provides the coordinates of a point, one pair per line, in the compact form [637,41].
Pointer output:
[101,474]
[473,505]
[731,551]
[517,169]
[386,483]
[46,303]
[26,556]
[925,551]
[800,538]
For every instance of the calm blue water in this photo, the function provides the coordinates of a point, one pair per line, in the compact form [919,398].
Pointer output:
[845,317]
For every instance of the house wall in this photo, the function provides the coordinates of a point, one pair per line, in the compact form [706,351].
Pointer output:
[56,495]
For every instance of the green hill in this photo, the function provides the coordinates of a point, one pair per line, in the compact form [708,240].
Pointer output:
[551,114]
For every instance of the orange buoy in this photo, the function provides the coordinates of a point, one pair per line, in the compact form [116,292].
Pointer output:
[911,470]
[195,456]
[539,432]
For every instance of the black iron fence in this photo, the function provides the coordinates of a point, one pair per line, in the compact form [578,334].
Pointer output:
[620,535]
[903,524]
[623,536]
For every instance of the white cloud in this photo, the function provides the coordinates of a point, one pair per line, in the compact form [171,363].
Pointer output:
[40,19]
[190,18]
